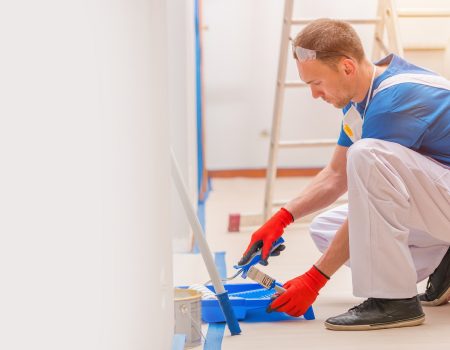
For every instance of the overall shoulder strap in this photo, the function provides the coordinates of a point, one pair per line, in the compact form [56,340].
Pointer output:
[423,79]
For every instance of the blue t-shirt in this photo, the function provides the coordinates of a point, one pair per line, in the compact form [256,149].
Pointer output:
[413,115]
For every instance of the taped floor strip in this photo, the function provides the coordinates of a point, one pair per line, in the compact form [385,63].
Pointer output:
[214,336]
[178,341]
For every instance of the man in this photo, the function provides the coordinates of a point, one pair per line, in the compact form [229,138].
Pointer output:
[393,158]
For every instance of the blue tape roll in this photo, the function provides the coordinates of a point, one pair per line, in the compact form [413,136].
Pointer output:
[227,310]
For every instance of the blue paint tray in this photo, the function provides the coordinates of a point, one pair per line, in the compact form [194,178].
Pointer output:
[249,302]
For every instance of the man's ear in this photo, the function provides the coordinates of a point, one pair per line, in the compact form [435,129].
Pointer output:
[348,66]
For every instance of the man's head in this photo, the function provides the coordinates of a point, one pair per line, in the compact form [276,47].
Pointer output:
[330,58]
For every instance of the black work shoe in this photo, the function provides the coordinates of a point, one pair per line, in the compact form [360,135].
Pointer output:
[377,313]
[438,285]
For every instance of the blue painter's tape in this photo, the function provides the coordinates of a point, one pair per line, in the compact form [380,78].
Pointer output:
[214,336]
[178,341]
[201,219]
[219,259]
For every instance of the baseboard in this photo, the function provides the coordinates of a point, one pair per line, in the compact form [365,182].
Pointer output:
[281,172]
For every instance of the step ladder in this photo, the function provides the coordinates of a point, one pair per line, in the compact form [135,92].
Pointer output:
[386,40]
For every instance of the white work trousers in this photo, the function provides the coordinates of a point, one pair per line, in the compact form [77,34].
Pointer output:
[399,218]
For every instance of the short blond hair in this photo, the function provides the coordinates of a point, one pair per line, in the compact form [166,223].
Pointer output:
[333,36]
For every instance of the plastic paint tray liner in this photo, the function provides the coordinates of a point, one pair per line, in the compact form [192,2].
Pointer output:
[249,302]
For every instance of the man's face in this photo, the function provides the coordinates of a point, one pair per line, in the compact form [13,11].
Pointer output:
[333,86]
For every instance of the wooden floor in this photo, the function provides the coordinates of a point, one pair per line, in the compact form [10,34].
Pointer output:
[246,196]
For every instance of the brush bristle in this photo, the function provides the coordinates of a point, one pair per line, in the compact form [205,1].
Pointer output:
[258,276]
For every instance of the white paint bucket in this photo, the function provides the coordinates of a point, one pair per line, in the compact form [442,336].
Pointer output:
[188,311]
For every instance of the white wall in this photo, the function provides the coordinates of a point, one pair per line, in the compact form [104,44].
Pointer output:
[85,252]
[182,111]
[426,31]
[241,59]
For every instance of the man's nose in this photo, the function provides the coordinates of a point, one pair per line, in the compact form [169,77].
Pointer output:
[316,93]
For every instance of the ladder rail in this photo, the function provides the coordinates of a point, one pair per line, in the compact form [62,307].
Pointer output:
[392,27]
[379,45]
[278,108]
[308,143]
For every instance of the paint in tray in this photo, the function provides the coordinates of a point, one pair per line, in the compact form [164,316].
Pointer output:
[249,302]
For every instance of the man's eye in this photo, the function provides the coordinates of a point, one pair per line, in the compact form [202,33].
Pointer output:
[317,83]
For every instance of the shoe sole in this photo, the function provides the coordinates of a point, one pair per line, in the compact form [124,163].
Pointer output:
[443,299]
[368,327]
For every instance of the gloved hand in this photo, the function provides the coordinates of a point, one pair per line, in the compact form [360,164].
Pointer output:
[300,293]
[264,237]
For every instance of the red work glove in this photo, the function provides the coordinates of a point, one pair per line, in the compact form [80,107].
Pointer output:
[264,237]
[300,293]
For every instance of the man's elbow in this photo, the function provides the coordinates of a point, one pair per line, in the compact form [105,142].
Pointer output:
[338,184]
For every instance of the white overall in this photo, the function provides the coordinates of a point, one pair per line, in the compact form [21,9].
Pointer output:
[399,212]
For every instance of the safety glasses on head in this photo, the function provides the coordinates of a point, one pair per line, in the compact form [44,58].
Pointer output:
[302,54]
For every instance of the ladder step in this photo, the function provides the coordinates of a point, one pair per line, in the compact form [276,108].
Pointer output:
[308,143]
[425,47]
[302,21]
[423,13]
[341,200]
[279,203]
[247,222]
[294,84]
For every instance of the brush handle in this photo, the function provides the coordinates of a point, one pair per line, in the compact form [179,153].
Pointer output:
[279,289]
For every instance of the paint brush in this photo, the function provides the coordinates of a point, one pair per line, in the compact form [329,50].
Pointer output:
[263,279]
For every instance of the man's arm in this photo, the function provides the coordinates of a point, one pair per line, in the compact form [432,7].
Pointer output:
[324,189]
[303,290]
[337,252]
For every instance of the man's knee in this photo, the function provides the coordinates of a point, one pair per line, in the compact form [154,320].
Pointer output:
[364,153]
[315,227]
[362,149]
[320,232]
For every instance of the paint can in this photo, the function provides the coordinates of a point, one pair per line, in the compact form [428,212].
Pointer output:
[188,311]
